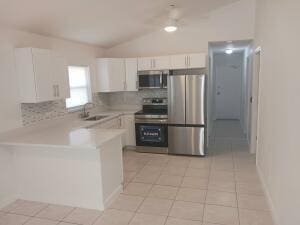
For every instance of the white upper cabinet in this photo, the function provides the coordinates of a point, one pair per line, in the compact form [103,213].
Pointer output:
[111,74]
[145,63]
[42,75]
[178,61]
[161,63]
[188,61]
[131,74]
[154,63]
[41,71]
[60,77]
[197,60]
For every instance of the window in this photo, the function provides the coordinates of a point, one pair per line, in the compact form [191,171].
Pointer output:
[80,92]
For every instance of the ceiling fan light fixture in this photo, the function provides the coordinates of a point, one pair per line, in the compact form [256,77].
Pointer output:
[171,26]
[228,51]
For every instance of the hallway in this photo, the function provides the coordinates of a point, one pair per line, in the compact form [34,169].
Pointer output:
[228,130]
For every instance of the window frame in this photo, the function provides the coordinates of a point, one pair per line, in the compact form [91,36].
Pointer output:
[88,88]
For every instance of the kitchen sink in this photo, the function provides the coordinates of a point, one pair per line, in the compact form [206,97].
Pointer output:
[95,118]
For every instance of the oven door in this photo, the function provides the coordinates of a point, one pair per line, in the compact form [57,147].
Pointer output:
[150,79]
[151,134]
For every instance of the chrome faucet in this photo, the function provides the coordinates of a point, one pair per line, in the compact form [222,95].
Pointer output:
[84,113]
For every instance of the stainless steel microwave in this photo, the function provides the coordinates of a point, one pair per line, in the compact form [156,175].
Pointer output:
[153,79]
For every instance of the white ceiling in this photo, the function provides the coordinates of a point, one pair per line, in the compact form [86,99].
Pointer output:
[100,22]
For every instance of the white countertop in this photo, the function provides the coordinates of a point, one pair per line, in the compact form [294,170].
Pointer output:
[69,132]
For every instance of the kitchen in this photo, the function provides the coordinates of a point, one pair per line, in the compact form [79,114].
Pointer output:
[113,128]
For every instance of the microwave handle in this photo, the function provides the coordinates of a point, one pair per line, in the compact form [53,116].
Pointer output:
[161,80]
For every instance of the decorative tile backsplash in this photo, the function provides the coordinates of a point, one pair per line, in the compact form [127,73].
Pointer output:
[34,113]
[134,98]
[37,112]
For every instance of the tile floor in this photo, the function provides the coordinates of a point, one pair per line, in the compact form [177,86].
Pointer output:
[222,188]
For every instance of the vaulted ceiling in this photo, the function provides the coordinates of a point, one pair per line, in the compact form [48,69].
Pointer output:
[100,22]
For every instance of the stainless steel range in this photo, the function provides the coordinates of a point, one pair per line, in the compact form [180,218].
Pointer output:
[151,125]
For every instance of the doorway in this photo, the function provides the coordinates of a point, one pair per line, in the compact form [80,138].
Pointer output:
[230,90]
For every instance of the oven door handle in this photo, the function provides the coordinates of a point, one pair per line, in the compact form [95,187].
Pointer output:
[157,121]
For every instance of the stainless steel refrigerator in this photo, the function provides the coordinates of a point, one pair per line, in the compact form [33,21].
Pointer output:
[186,114]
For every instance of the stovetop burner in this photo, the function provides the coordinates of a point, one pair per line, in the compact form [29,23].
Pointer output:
[154,108]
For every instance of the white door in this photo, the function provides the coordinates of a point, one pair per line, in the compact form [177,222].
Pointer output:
[228,92]
[60,75]
[43,74]
[161,63]
[197,60]
[131,74]
[254,111]
[145,63]
[178,61]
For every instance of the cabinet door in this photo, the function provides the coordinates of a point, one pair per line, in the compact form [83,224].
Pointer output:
[129,125]
[116,75]
[145,63]
[110,74]
[131,74]
[161,63]
[60,75]
[178,61]
[197,60]
[43,75]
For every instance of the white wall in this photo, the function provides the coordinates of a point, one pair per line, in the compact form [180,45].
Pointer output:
[233,22]
[278,155]
[7,191]
[76,54]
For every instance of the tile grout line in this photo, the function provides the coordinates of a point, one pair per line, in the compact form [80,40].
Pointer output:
[236,194]
[204,208]
[178,188]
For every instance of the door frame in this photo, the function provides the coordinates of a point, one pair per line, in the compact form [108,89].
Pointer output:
[256,94]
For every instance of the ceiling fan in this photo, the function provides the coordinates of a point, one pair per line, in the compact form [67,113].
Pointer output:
[172,21]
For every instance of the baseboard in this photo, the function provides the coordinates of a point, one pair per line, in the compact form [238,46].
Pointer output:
[268,197]
[113,196]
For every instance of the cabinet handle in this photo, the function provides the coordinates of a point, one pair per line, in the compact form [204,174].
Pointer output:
[54,90]
[188,60]
[185,60]
[154,63]
[58,92]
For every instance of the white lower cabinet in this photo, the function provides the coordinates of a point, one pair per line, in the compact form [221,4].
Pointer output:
[125,122]
[128,124]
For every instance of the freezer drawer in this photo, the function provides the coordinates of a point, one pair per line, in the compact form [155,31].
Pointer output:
[186,140]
